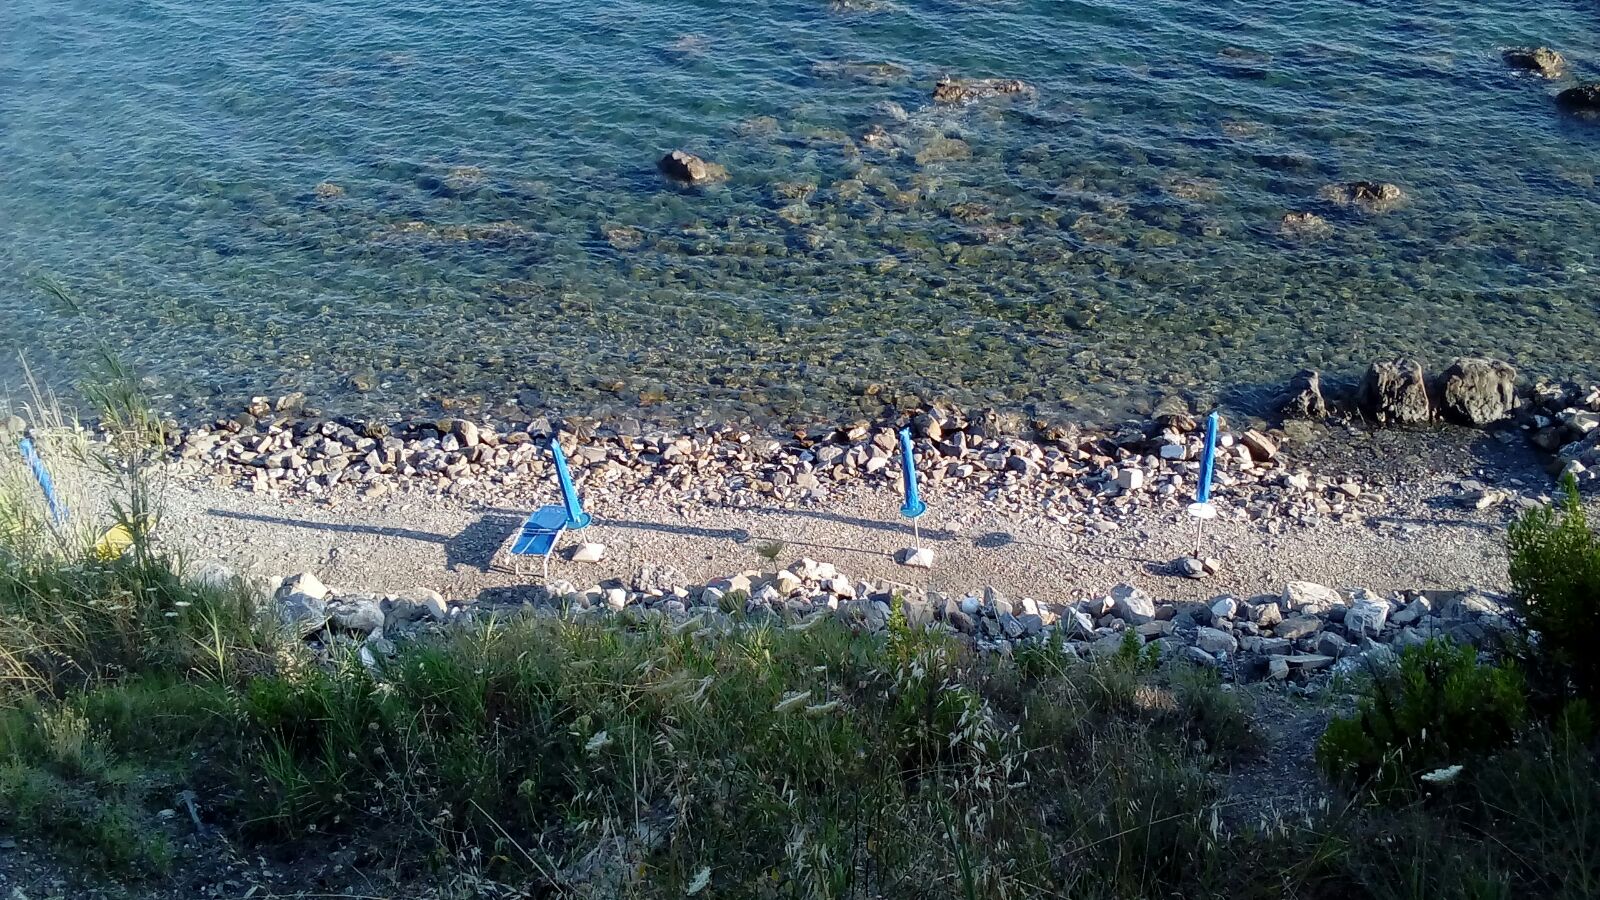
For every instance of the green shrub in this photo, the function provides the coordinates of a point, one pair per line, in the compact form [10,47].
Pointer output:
[1555,573]
[95,823]
[1436,708]
[1211,712]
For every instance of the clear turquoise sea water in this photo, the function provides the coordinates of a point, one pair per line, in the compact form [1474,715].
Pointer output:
[502,238]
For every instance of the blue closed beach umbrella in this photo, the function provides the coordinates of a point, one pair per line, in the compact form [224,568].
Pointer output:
[576,517]
[1202,509]
[1208,461]
[58,512]
[914,506]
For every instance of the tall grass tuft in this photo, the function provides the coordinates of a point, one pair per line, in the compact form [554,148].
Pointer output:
[1555,573]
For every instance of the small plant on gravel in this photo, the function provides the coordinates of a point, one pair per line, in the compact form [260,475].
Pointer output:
[1555,574]
[770,552]
[1437,708]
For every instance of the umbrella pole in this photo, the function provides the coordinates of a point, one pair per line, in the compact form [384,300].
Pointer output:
[916,533]
[1199,533]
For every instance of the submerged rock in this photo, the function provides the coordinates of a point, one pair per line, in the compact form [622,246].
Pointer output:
[680,165]
[943,149]
[1303,225]
[1370,196]
[623,237]
[1478,391]
[879,73]
[1396,391]
[957,90]
[1540,60]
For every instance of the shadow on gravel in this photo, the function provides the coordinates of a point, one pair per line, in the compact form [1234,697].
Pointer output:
[477,544]
[1470,525]
[515,595]
[345,528]
[737,535]
[996,540]
[895,525]
[474,547]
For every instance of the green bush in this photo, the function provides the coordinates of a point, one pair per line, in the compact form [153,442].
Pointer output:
[1438,707]
[1555,573]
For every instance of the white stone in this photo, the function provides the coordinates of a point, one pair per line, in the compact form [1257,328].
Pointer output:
[302,614]
[1366,617]
[786,582]
[1215,640]
[1130,479]
[1131,605]
[589,553]
[304,583]
[916,557]
[427,601]
[1077,623]
[212,574]
[1412,613]
[1307,596]
[361,615]
[1172,451]
[616,598]
[1224,607]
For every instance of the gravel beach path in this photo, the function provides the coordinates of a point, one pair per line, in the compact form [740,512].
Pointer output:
[1423,537]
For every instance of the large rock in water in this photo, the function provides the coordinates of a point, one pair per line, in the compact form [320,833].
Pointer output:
[1478,391]
[956,90]
[1541,60]
[1583,99]
[680,165]
[1370,196]
[1396,391]
[1305,397]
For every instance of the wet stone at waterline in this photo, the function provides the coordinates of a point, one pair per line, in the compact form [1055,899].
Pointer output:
[1041,208]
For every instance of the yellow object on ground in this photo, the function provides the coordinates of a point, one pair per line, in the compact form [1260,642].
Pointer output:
[113,543]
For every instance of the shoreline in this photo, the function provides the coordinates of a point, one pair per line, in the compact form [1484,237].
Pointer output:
[1406,519]
[1055,515]
[1003,576]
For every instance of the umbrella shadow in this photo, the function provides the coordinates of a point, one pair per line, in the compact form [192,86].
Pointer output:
[410,534]
[474,547]
[737,535]
[936,534]
[997,540]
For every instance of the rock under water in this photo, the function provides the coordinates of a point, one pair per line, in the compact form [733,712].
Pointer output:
[1540,60]
[680,165]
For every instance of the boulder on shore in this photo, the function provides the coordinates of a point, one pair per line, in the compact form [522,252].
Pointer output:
[1539,60]
[681,165]
[1396,391]
[1305,399]
[1478,392]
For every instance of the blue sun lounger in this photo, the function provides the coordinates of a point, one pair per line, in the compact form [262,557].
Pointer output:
[544,526]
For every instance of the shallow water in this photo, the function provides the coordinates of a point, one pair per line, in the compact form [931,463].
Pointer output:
[501,238]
